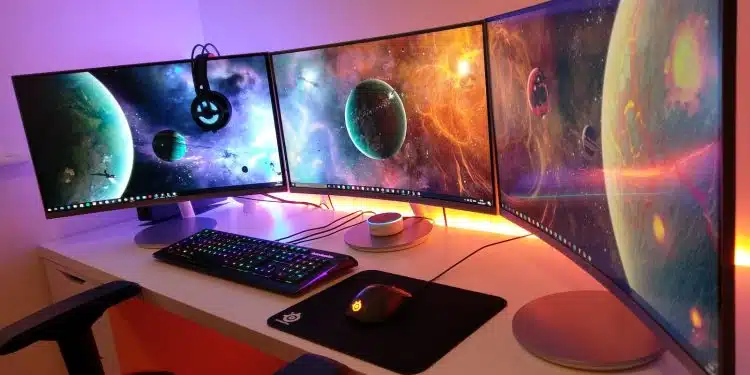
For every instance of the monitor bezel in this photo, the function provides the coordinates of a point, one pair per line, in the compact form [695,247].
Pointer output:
[492,210]
[213,192]
[726,282]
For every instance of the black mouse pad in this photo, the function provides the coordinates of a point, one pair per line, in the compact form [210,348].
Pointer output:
[425,329]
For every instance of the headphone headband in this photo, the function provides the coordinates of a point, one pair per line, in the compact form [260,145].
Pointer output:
[200,73]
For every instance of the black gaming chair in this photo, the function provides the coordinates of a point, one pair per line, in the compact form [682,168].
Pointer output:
[69,322]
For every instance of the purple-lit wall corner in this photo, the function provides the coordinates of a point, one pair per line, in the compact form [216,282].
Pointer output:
[48,35]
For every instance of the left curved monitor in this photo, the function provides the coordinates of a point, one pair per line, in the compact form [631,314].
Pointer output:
[118,137]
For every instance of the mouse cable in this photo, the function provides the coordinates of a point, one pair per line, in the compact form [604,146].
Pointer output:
[311,237]
[282,200]
[321,227]
[470,255]
[278,201]
[355,224]
[334,232]
[308,237]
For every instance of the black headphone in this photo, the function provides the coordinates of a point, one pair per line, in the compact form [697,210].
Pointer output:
[210,109]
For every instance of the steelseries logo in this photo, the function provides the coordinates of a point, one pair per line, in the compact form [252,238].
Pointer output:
[290,318]
[322,255]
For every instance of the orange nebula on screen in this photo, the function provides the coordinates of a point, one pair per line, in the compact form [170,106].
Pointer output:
[695,318]
[687,66]
[686,162]
[659,230]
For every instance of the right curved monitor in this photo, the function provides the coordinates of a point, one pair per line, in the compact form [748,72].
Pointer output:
[614,125]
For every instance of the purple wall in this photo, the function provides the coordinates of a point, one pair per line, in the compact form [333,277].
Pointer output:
[237,26]
[55,35]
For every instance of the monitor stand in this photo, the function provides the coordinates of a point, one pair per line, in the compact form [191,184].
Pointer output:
[163,234]
[585,330]
[416,231]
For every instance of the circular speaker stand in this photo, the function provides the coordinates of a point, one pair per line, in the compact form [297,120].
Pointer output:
[416,231]
[585,330]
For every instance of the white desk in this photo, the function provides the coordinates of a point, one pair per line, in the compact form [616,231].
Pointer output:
[518,271]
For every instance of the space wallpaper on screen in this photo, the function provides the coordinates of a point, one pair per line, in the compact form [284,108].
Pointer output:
[406,112]
[608,126]
[122,132]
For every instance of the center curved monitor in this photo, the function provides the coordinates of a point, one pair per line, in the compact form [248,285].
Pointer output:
[401,117]
[614,125]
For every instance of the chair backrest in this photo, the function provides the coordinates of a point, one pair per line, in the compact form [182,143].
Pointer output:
[68,322]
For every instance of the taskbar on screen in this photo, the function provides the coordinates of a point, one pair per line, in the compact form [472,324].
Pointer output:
[549,231]
[396,192]
[106,202]
[154,197]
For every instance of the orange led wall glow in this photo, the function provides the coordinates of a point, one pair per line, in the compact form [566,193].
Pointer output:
[742,251]
[465,219]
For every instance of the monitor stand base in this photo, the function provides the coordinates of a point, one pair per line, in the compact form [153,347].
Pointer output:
[585,330]
[166,233]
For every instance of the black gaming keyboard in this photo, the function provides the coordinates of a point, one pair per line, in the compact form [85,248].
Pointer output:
[274,266]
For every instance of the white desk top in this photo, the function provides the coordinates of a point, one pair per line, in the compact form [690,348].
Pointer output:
[518,271]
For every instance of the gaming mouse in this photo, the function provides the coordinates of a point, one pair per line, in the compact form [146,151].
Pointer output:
[376,303]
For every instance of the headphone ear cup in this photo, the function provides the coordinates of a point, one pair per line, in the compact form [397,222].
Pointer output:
[211,111]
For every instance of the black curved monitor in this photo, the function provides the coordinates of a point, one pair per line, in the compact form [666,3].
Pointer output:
[401,117]
[614,126]
[117,137]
